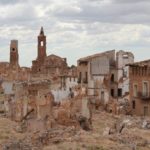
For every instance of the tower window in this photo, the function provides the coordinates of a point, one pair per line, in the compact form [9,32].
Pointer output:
[13,49]
[42,43]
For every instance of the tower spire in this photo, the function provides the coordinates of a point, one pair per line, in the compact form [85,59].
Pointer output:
[41,45]
[42,31]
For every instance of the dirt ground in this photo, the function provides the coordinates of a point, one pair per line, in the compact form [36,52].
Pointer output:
[132,137]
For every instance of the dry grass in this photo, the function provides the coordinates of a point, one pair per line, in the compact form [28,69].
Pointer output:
[93,140]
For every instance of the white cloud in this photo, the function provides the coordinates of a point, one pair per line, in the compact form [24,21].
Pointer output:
[75,28]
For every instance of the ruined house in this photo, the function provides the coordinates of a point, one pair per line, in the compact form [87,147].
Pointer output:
[120,74]
[139,74]
[105,75]
[93,73]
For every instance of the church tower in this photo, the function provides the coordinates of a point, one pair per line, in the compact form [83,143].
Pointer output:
[14,57]
[41,45]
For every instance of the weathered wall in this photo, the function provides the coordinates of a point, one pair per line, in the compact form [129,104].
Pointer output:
[100,65]
[124,58]
[139,74]
[60,95]
[8,87]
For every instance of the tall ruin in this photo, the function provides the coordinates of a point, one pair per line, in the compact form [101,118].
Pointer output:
[14,56]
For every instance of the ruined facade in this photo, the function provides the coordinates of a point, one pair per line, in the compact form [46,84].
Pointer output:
[93,72]
[105,75]
[139,74]
[120,74]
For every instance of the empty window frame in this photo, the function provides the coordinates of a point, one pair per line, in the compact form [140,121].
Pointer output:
[145,89]
[133,104]
[135,90]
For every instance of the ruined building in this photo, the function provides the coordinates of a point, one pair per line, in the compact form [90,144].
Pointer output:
[51,69]
[93,71]
[106,76]
[48,66]
[139,74]
[11,71]
[14,56]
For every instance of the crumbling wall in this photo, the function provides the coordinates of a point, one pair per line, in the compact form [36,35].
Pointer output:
[124,58]
[139,103]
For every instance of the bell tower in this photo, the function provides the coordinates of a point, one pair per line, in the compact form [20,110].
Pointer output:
[41,45]
[14,57]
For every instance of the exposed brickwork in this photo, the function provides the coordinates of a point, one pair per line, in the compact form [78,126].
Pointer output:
[139,73]
[14,56]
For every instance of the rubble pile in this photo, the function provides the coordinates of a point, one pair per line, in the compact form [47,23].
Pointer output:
[74,112]
[108,132]
[121,131]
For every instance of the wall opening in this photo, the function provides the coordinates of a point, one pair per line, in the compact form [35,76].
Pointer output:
[112,78]
[119,92]
[112,92]
[13,49]
[145,89]
[86,77]
[80,77]
[135,90]
[133,104]
[102,96]
[145,110]
[42,43]
[125,56]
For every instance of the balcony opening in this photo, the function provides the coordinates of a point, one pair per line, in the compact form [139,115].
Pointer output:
[133,104]
[135,90]
[86,78]
[112,78]
[146,111]
[102,96]
[112,92]
[119,92]
[145,89]
[80,77]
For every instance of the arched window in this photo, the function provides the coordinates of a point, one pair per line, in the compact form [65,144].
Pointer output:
[42,43]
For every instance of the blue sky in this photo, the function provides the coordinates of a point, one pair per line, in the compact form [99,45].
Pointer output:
[75,28]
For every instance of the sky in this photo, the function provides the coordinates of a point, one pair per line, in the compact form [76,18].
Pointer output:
[75,28]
